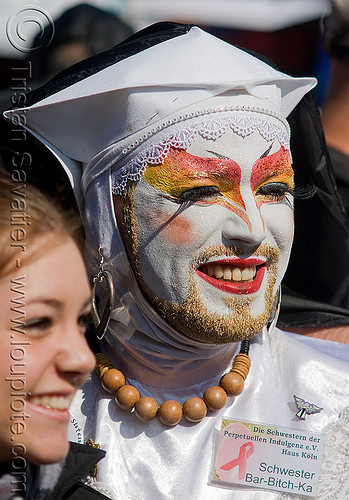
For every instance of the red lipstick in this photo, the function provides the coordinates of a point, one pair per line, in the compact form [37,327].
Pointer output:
[236,287]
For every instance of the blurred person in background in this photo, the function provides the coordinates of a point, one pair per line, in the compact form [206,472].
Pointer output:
[335,110]
[79,32]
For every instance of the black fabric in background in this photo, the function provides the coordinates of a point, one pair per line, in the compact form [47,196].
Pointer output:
[318,272]
[340,162]
[298,311]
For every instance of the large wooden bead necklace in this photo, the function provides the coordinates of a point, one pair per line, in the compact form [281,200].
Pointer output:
[171,412]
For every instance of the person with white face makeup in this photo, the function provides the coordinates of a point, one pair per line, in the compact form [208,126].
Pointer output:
[223,227]
[178,148]
[45,357]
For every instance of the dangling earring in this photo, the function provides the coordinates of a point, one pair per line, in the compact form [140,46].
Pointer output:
[101,324]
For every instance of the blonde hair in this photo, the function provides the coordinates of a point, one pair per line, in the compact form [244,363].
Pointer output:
[27,214]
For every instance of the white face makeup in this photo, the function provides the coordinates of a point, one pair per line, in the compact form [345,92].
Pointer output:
[212,230]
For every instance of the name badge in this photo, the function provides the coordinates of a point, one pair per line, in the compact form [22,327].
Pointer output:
[266,456]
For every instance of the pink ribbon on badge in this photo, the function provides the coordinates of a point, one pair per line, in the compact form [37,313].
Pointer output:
[245,451]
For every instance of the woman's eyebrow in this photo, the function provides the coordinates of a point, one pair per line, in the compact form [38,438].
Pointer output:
[54,303]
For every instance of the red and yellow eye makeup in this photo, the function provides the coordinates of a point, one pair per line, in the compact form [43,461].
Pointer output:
[276,167]
[182,171]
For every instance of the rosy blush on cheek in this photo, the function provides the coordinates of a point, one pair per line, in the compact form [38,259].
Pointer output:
[176,230]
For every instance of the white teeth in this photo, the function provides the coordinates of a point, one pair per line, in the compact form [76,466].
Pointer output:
[237,274]
[55,402]
[62,403]
[227,273]
[246,274]
[218,272]
[210,270]
[230,273]
[44,400]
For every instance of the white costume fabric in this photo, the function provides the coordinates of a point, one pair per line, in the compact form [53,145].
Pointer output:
[153,462]
[104,124]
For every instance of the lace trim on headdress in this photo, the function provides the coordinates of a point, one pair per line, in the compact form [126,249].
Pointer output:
[242,123]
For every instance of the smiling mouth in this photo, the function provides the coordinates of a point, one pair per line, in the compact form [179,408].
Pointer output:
[54,402]
[234,277]
[230,273]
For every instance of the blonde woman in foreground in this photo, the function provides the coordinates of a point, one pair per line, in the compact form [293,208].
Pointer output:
[44,354]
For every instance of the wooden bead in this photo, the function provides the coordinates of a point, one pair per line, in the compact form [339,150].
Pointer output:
[241,365]
[102,364]
[241,371]
[215,398]
[102,358]
[194,409]
[127,396]
[242,358]
[232,383]
[112,380]
[146,408]
[170,413]
[101,370]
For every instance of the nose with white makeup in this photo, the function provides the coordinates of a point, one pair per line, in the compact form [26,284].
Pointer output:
[244,231]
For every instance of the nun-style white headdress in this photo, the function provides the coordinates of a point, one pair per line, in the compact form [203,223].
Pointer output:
[111,115]
[121,107]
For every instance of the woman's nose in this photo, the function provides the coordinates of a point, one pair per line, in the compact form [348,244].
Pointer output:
[76,356]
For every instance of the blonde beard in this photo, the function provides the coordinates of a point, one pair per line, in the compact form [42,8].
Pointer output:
[191,317]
